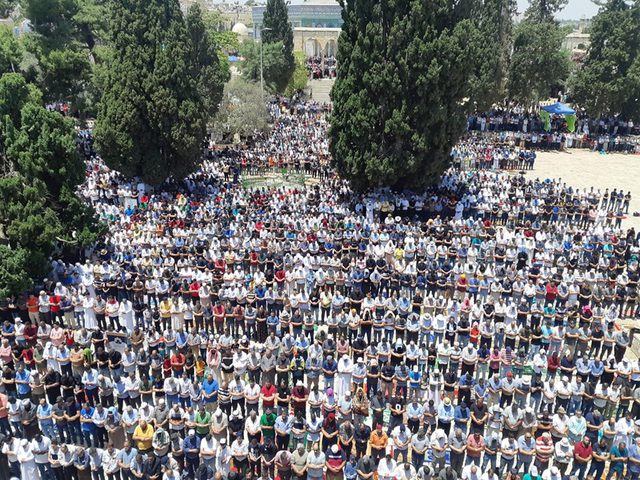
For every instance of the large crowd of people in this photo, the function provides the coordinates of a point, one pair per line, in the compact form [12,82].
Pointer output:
[526,129]
[474,331]
[322,66]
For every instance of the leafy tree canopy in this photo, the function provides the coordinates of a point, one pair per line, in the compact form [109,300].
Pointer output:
[276,28]
[242,111]
[544,10]
[13,271]
[7,7]
[160,89]
[608,83]
[538,62]
[41,169]
[494,20]
[11,51]
[274,65]
[399,98]
[300,76]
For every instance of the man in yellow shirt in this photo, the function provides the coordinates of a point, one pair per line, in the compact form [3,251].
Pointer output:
[143,436]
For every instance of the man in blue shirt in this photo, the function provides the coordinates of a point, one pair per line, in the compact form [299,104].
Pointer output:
[619,456]
[329,367]
[23,378]
[125,459]
[88,427]
[446,414]
[283,426]
[44,413]
[191,449]
[633,469]
[210,390]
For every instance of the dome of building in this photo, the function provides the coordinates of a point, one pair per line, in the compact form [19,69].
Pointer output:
[241,29]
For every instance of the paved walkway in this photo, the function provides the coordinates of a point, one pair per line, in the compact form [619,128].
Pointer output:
[320,89]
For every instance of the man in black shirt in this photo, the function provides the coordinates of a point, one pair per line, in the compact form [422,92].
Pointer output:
[362,435]
[397,406]
[479,416]
[366,468]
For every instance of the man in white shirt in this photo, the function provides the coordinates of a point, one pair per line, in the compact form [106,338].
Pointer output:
[387,468]
[470,472]
[405,471]
[240,452]
[40,449]
[10,448]
[208,449]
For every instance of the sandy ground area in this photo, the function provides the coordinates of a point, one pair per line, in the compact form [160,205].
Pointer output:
[583,169]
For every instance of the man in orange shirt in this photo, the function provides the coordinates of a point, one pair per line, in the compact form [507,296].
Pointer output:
[177,363]
[32,308]
[378,443]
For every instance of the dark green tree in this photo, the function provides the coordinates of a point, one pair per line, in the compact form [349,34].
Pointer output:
[11,51]
[544,10]
[539,65]
[399,98]
[205,62]
[273,64]
[14,276]
[41,169]
[494,20]
[608,82]
[153,115]
[277,28]
[62,43]
[15,93]
[65,37]
[7,7]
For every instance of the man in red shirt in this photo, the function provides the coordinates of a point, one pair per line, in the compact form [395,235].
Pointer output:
[299,394]
[582,454]
[31,333]
[177,363]
[551,292]
[475,447]
[54,305]
[268,395]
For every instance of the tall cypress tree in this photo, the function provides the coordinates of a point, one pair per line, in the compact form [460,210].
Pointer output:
[154,108]
[276,28]
[608,83]
[539,66]
[400,94]
[494,19]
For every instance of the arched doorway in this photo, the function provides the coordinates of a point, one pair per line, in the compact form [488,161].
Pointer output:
[331,48]
[312,47]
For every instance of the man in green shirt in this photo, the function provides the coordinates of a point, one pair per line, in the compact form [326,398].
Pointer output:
[202,421]
[267,422]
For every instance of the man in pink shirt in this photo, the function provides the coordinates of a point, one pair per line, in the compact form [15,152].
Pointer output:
[475,447]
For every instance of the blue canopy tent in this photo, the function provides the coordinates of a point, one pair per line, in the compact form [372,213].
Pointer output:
[558,109]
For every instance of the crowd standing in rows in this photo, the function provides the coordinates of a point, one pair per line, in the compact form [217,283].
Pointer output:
[473,331]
